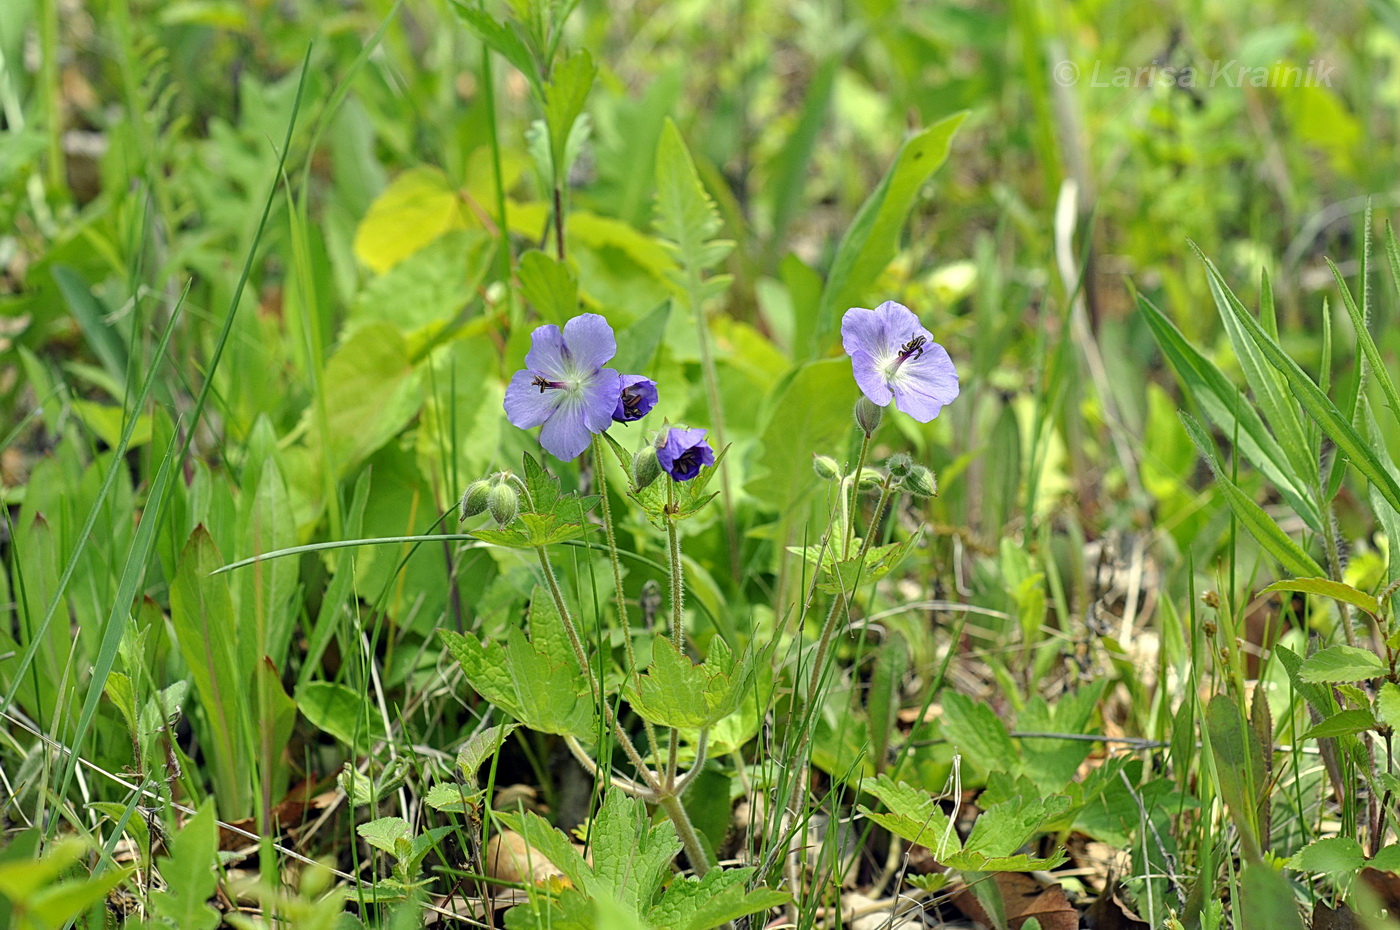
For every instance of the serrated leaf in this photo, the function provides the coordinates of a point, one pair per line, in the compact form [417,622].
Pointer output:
[1343,723]
[384,833]
[479,748]
[190,879]
[543,487]
[1326,587]
[1388,858]
[978,733]
[503,39]
[453,799]
[1003,828]
[1335,855]
[1342,663]
[525,682]
[713,901]
[912,814]
[685,214]
[674,692]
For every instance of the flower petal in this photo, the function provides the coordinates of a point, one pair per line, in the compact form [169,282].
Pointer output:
[924,385]
[566,435]
[590,342]
[900,323]
[526,405]
[863,330]
[547,352]
[868,376]
[600,393]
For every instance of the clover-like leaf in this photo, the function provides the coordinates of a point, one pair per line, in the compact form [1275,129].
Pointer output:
[675,692]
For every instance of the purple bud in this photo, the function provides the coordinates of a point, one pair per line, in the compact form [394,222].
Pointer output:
[636,399]
[683,452]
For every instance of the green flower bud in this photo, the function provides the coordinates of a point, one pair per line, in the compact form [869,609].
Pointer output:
[870,480]
[474,500]
[646,467]
[868,415]
[503,503]
[920,482]
[899,464]
[826,468]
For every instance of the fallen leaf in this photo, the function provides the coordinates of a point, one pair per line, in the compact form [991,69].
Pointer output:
[1339,918]
[1023,897]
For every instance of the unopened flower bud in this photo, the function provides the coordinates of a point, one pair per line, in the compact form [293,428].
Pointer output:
[920,482]
[899,464]
[870,480]
[646,467]
[474,500]
[868,415]
[826,468]
[503,503]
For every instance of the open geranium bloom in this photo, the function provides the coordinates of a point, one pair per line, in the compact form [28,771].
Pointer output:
[564,387]
[895,358]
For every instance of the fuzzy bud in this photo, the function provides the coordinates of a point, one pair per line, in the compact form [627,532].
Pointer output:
[646,467]
[826,468]
[503,503]
[920,482]
[868,415]
[899,464]
[870,480]
[474,500]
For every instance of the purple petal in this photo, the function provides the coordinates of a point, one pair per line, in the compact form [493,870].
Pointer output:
[899,322]
[547,352]
[926,384]
[863,330]
[526,405]
[872,383]
[590,341]
[566,434]
[600,399]
[640,391]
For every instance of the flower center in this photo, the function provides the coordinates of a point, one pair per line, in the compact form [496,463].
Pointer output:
[632,403]
[912,349]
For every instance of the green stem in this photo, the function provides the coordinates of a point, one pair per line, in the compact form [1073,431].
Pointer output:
[855,494]
[694,849]
[632,669]
[488,91]
[593,687]
[677,572]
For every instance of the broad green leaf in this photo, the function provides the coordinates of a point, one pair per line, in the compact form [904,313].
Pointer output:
[1321,409]
[872,240]
[564,97]
[795,427]
[713,901]
[201,612]
[385,833]
[1326,587]
[631,855]
[522,680]
[342,712]
[1239,767]
[912,814]
[189,874]
[549,285]
[676,693]
[107,420]
[480,747]
[1268,899]
[685,214]
[1278,543]
[978,734]
[1004,828]
[426,291]
[1387,859]
[416,208]
[1388,705]
[1231,412]
[372,392]
[1344,723]
[1342,663]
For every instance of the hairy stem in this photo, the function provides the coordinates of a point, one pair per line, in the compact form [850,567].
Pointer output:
[594,689]
[855,496]
[677,572]
[694,849]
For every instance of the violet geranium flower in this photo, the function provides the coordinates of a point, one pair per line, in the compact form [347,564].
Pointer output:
[564,387]
[893,356]
[683,452]
[636,400]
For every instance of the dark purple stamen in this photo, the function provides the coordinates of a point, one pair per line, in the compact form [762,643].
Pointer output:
[542,384]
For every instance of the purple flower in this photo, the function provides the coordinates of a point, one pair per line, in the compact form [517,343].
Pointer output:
[683,452]
[564,386]
[893,356]
[637,398]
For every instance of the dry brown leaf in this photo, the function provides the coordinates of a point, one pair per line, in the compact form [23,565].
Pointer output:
[1023,897]
[1339,918]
